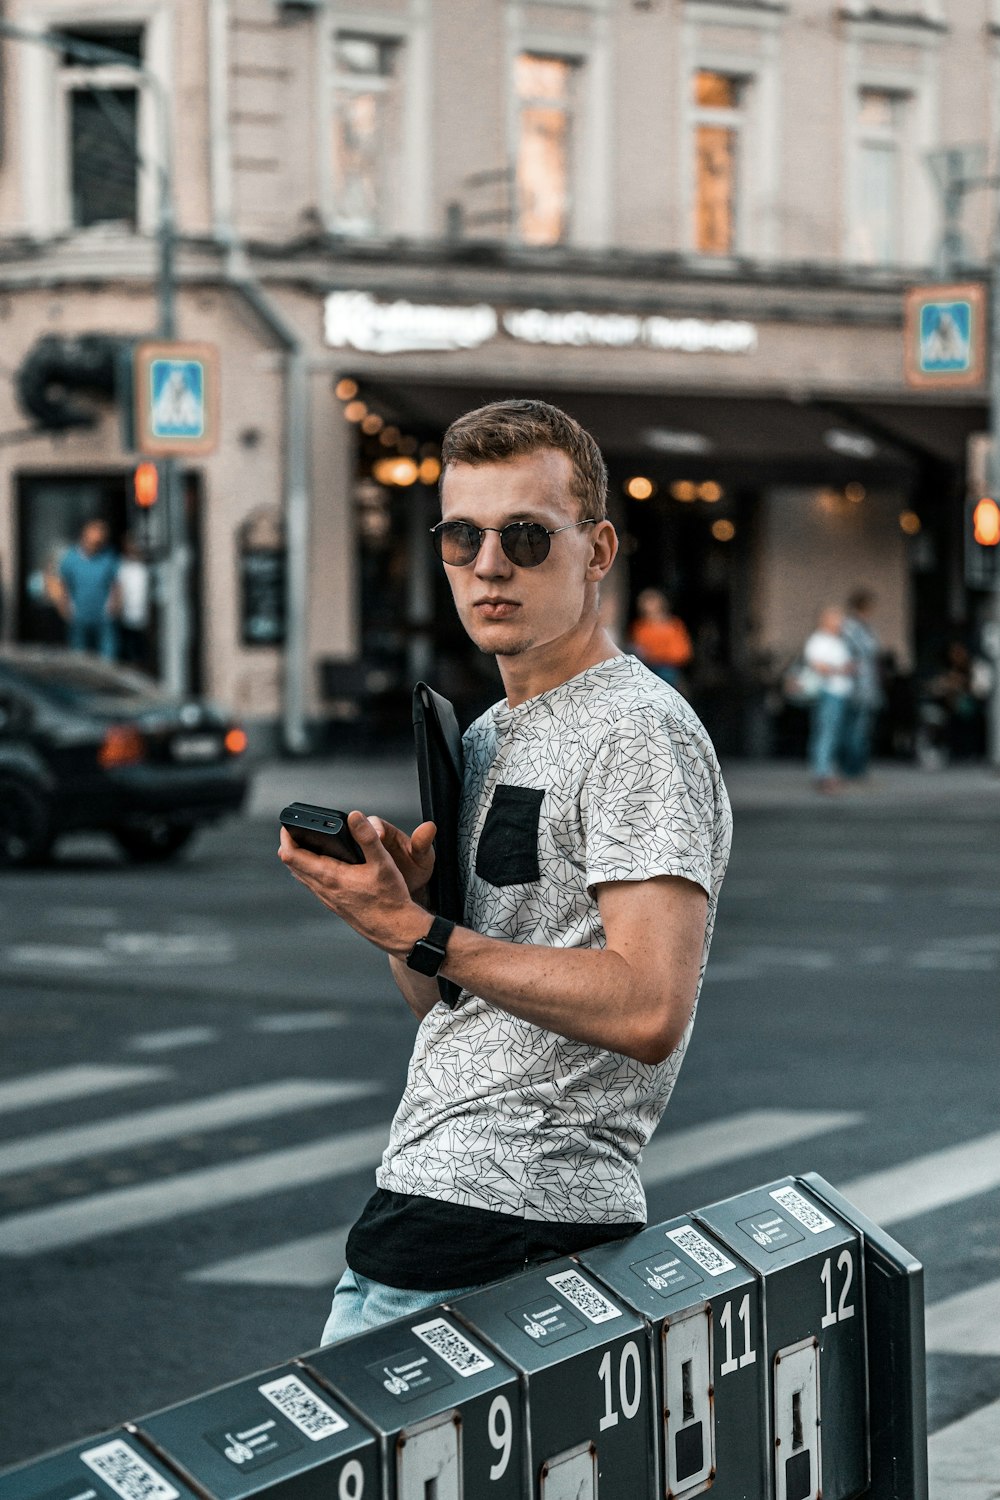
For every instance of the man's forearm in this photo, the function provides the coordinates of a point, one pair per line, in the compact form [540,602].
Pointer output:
[420,993]
[587,994]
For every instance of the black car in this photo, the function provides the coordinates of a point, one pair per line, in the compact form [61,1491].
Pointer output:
[85,744]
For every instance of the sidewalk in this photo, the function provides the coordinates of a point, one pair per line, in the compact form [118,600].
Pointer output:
[389,783]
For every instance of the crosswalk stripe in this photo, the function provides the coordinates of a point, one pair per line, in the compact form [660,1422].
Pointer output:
[72,1083]
[314,1261]
[968,1323]
[167,1041]
[318,1259]
[964,1459]
[216,1112]
[928,1182]
[191,1192]
[695,1149]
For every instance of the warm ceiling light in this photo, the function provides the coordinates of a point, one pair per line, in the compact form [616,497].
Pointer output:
[684,490]
[639,487]
[399,472]
[723,531]
[429,471]
[986,522]
[354,411]
[710,491]
[855,492]
[909,522]
[346,390]
[389,437]
[372,423]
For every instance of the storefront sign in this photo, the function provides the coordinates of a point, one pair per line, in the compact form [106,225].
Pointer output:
[356,320]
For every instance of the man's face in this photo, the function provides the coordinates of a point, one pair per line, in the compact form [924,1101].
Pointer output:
[94,536]
[507,610]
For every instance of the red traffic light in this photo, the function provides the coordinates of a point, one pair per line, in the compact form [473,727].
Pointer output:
[146,485]
[986,522]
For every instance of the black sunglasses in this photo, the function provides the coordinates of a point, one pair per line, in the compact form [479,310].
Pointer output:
[525,543]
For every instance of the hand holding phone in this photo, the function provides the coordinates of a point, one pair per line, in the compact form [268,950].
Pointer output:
[322,830]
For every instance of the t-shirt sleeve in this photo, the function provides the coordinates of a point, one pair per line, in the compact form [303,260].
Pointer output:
[649,805]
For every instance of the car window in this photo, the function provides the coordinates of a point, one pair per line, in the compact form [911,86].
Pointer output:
[75,679]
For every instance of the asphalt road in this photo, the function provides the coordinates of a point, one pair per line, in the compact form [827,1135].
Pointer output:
[198,1064]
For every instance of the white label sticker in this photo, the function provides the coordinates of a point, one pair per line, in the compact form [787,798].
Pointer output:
[453,1347]
[700,1250]
[126,1473]
[800,1208]
[308,1412]
[584,1297]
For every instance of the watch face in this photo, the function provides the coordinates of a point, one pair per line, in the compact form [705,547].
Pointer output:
[425,958]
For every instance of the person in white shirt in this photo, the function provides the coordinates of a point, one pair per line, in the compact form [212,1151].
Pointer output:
[133,619]
[829,656]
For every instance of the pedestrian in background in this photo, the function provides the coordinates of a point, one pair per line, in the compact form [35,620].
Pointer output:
[133,621]
[827,655]
[87,592]
[660,638]
[866,690]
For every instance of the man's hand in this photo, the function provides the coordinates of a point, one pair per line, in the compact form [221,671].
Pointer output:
[413,854]
[373,898]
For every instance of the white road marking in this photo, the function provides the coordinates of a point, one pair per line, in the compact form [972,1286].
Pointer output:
[928,1182]
[120,949]
[192,1192]
[968,1323]
[306,1020]
[217,1112]
[73,1083]
[682,1152]
[166,1041]
[964,1459]
[57,956]
[317,1260]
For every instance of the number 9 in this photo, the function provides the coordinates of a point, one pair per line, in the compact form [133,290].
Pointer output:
[352,1481]
[501,1430]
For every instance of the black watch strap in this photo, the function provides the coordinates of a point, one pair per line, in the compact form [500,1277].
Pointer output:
[428,953]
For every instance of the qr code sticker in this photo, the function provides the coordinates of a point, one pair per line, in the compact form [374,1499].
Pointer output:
[127,1474]
[800,1208]
[297,1402]
[700,1250]
[456,1351]
[585,1298]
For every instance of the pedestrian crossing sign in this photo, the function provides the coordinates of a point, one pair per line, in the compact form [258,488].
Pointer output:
[176,398]
[945,336]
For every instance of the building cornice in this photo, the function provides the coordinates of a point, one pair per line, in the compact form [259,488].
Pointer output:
[874,16]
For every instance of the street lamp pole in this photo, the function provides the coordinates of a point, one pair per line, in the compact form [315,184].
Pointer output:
[174,650]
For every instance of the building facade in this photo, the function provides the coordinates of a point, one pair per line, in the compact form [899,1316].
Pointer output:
[690,222]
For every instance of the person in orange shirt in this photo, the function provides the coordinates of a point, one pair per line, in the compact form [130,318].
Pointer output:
[660,638]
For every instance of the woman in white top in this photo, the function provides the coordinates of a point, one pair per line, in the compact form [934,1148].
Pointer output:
[828,655]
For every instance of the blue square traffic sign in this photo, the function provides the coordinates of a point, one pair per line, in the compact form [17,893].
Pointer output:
[177,398]
[945,337]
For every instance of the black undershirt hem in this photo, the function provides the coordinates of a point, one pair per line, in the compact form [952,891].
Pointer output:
[427,1245]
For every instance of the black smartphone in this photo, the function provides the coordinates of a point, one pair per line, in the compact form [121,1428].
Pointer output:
[322,830]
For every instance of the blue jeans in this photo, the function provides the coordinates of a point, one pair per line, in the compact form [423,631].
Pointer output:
[826,734]
[859,721]
[94,635]
[360,1304]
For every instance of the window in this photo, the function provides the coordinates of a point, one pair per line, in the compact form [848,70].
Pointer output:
[100,109]
[367,133]
[545,88]
[719,117]
[881,122]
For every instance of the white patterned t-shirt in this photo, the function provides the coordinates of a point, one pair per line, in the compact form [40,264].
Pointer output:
[608,777]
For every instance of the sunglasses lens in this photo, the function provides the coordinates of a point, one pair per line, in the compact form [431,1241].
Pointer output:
[456,542]
[526,543]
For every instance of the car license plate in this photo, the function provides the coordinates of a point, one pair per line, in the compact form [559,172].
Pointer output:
[196,747]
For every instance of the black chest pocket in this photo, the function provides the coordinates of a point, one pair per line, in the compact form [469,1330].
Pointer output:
[508,845]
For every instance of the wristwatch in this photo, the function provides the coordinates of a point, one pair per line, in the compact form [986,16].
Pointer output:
[428,953]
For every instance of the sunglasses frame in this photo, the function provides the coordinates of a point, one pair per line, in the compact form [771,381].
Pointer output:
[436,532]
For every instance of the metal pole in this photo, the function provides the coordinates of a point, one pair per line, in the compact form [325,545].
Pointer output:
[991,628]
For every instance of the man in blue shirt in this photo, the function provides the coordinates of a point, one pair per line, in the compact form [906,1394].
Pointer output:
[89,597]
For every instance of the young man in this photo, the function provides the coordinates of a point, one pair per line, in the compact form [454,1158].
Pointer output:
[88,592]
[594,836]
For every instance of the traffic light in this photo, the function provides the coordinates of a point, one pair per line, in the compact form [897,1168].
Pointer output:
[982,542]
[146,485]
